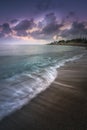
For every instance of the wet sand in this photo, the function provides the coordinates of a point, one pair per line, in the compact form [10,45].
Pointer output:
[63,106]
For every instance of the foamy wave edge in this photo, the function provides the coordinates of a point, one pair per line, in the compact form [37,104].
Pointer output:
[25,87]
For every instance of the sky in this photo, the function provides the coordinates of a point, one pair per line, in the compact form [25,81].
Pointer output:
[42,21]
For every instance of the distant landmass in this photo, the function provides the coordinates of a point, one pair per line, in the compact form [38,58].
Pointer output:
[72,42]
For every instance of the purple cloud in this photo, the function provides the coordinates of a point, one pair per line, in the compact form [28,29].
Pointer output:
[78,29]
[48,27]
[13,21]
[25,25]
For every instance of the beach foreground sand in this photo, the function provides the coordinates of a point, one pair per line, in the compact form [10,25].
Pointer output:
[63,106]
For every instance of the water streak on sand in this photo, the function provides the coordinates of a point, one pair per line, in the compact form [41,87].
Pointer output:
[61,84]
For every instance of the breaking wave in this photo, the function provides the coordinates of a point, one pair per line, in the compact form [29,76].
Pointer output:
[19,89]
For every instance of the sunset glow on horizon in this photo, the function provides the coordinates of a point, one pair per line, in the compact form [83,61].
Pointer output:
[40,22]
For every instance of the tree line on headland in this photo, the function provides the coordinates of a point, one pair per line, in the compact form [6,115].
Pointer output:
[73,42]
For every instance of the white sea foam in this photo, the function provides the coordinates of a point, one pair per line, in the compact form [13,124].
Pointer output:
[19,90]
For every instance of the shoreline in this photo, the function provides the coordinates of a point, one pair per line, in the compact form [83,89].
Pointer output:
[61,106]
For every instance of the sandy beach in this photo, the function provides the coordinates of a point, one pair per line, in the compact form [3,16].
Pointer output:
[63,106]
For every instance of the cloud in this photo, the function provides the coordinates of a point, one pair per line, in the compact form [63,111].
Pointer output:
[50,18]
[52,25]
[71,14]
[23,26]
[48,27]
[51,28]
[14,21]
[77,29]
[6,28]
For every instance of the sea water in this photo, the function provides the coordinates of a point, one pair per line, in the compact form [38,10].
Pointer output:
[26,71]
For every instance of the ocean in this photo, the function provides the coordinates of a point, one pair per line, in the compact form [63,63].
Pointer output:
[26,71]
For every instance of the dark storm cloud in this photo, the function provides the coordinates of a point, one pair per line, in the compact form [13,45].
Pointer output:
[52,25]
[71,14]
[78,29]
[13,21]
[67,11]
[5,29]
[46,29]
[70,17]
[49,27]
[23,26]
[50,18]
